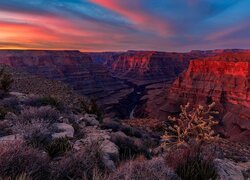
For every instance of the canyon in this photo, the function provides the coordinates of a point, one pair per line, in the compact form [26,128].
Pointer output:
[150,84]
[70,67]
[223,79]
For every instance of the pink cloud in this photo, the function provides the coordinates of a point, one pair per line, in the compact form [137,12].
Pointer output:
[133,10]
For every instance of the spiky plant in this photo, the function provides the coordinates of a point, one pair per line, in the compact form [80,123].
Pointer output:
[192,125]
[58,147]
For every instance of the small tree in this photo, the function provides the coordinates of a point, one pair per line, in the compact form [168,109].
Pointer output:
[5,81]
[92,107]
[192,125]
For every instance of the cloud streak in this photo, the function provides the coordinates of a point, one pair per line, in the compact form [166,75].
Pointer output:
[102,25]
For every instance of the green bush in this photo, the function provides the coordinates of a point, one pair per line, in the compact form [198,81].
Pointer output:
[49,101]
[38,101]
[58,147]
[5,81]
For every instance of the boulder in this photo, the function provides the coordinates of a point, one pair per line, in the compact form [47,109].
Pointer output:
[109,151]
[65,130]
[9,138]
[110,154]
[90,120]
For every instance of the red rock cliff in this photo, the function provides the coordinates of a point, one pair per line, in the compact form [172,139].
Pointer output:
[223,79]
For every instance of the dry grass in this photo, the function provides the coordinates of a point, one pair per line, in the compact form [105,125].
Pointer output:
[141,169]
[84,164]
[16,158]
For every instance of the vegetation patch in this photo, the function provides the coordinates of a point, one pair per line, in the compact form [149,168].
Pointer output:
[58,147]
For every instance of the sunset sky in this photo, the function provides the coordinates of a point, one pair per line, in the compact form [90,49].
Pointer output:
[117,25]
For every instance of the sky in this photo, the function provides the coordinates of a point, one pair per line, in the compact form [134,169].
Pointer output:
[119,25]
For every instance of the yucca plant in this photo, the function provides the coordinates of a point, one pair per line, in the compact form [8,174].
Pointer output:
[58,147]
[196,168]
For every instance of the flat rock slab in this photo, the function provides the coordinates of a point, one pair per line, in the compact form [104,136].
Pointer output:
[66,131]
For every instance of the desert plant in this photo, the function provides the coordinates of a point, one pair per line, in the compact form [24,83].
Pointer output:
[192,125]
[11,104]
[142,169]
[84,164]
[58,147]
[36,133]
[44,113]
[5,80]
[192,163]
[91,107]
[3,112]
[16,158]
[22,176]
[38,101]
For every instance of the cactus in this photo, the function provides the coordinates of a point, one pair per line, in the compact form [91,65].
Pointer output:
[192,125]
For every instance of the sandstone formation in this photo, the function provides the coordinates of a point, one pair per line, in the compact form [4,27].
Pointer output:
[142,67]
[223,79]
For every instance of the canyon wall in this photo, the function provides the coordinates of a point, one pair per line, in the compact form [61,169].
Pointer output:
[145,67]
[71,67]
[223,79]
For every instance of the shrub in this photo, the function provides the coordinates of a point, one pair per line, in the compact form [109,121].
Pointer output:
[129,147]
[22,176]
[154,169]
[5,81]
[191,163]
[11,104]
[84,164]
[58,147]
[91,107]
[16,159]
[3,112]
[192,125]
[45,113]
[36,133]
[37,101]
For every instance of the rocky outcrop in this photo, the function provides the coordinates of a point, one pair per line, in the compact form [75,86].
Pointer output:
[229,170]
[71,67]
[223,79]
[63,130]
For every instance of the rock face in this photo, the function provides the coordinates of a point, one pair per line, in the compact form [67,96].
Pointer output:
[228,170]
[148,66]
[223,79]
[142,67]
[71,67]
